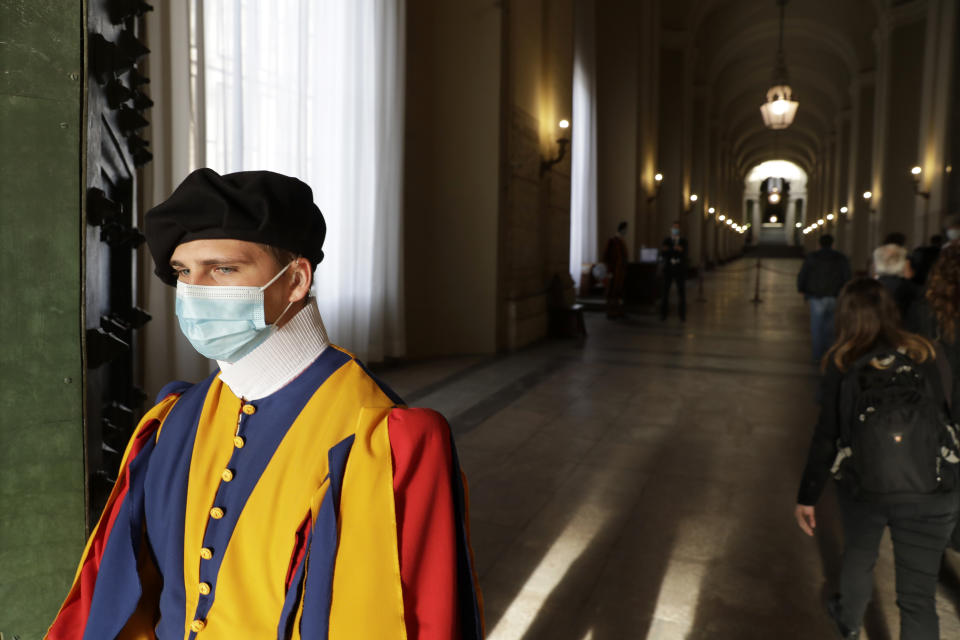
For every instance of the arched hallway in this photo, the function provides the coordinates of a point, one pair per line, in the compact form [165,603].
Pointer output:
[642,486]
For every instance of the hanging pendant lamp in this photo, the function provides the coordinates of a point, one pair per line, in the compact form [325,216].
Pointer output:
[780,108]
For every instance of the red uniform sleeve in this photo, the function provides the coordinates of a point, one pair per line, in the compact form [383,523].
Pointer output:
[426,522]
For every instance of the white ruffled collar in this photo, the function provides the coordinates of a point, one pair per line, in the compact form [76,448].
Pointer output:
[281,358]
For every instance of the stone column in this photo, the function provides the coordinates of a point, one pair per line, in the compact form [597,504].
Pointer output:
[841,168]
[860,168]
[648,93]
[698,180]
[938,68]
[900,53]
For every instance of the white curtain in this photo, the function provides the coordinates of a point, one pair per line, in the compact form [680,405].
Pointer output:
[583,178]
[175,126]
[314,89]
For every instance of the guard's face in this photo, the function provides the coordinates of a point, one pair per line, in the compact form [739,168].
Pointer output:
[236,263]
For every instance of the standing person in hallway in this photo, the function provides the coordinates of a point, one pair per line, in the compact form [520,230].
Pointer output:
[911,489]
[822,276]
[923,258]
[952,231]
[893,270]
[290,494]
[674,261]
[615,259]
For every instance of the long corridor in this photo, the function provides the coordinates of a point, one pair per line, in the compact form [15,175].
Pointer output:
[643,486]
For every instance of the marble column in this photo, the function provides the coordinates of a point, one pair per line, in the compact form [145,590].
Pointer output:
[935,103]
[860,168]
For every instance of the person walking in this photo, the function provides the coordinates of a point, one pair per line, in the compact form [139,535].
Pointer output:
[823,274]
[615,259]
[673,258]
[884,433]
[894,271]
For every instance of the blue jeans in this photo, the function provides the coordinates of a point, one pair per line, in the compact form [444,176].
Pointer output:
[821,324]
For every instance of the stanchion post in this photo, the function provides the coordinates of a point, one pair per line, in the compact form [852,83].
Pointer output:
[756,289]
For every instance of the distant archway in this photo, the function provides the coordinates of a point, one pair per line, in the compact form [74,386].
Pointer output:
[774,195]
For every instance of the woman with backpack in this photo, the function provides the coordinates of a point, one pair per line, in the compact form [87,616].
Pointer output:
[884,434]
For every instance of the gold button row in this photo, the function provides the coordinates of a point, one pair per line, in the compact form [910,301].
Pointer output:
[204,588]
[206,553]
[226,475]
[238,442]
[249,409]
[197,626]
[216,513]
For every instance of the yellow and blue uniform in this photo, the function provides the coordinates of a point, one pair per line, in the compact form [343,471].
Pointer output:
[323,510]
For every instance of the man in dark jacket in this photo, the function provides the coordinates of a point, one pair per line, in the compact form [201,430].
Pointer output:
[821,277]
[673,256]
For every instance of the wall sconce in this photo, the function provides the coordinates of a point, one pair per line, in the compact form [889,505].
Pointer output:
[868,197]
[657,183]
[830,217]
[546,165]
[711,210]
[916,172]
[799,225]
[844,209]
[722,217]
[692,203]
[774,197]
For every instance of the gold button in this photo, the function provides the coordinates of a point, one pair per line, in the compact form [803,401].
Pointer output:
[197,626]
[249,409]
[238,442]
[206,553]
[227,475]
[204,589]
[216,513]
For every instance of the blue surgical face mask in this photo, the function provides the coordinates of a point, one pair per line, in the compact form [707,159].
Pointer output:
[674,231]
[224,323]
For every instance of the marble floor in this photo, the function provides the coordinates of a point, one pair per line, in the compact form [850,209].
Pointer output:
[642,486]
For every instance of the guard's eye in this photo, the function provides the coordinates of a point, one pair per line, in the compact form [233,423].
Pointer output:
[226,270]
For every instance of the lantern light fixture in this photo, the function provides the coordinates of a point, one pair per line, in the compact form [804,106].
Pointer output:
[780,108]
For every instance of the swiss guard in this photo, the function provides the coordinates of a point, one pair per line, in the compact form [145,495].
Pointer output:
[290,495]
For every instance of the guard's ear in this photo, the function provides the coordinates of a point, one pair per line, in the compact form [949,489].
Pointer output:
[302,279]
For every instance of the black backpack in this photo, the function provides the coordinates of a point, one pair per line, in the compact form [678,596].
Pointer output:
[896,440]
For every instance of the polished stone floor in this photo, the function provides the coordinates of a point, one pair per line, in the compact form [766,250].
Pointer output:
[642,486]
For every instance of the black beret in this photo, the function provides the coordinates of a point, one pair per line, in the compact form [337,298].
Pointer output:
[256,206]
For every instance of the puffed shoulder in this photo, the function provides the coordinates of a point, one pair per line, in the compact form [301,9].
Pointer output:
[419,423]
[175,388]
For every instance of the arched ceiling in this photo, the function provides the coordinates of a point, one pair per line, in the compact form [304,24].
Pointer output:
[827,43]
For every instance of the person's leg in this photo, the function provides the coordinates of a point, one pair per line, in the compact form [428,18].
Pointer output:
[920,532]
[682,294]
[863,525]
[665,304]
[816,334]
[828,306]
